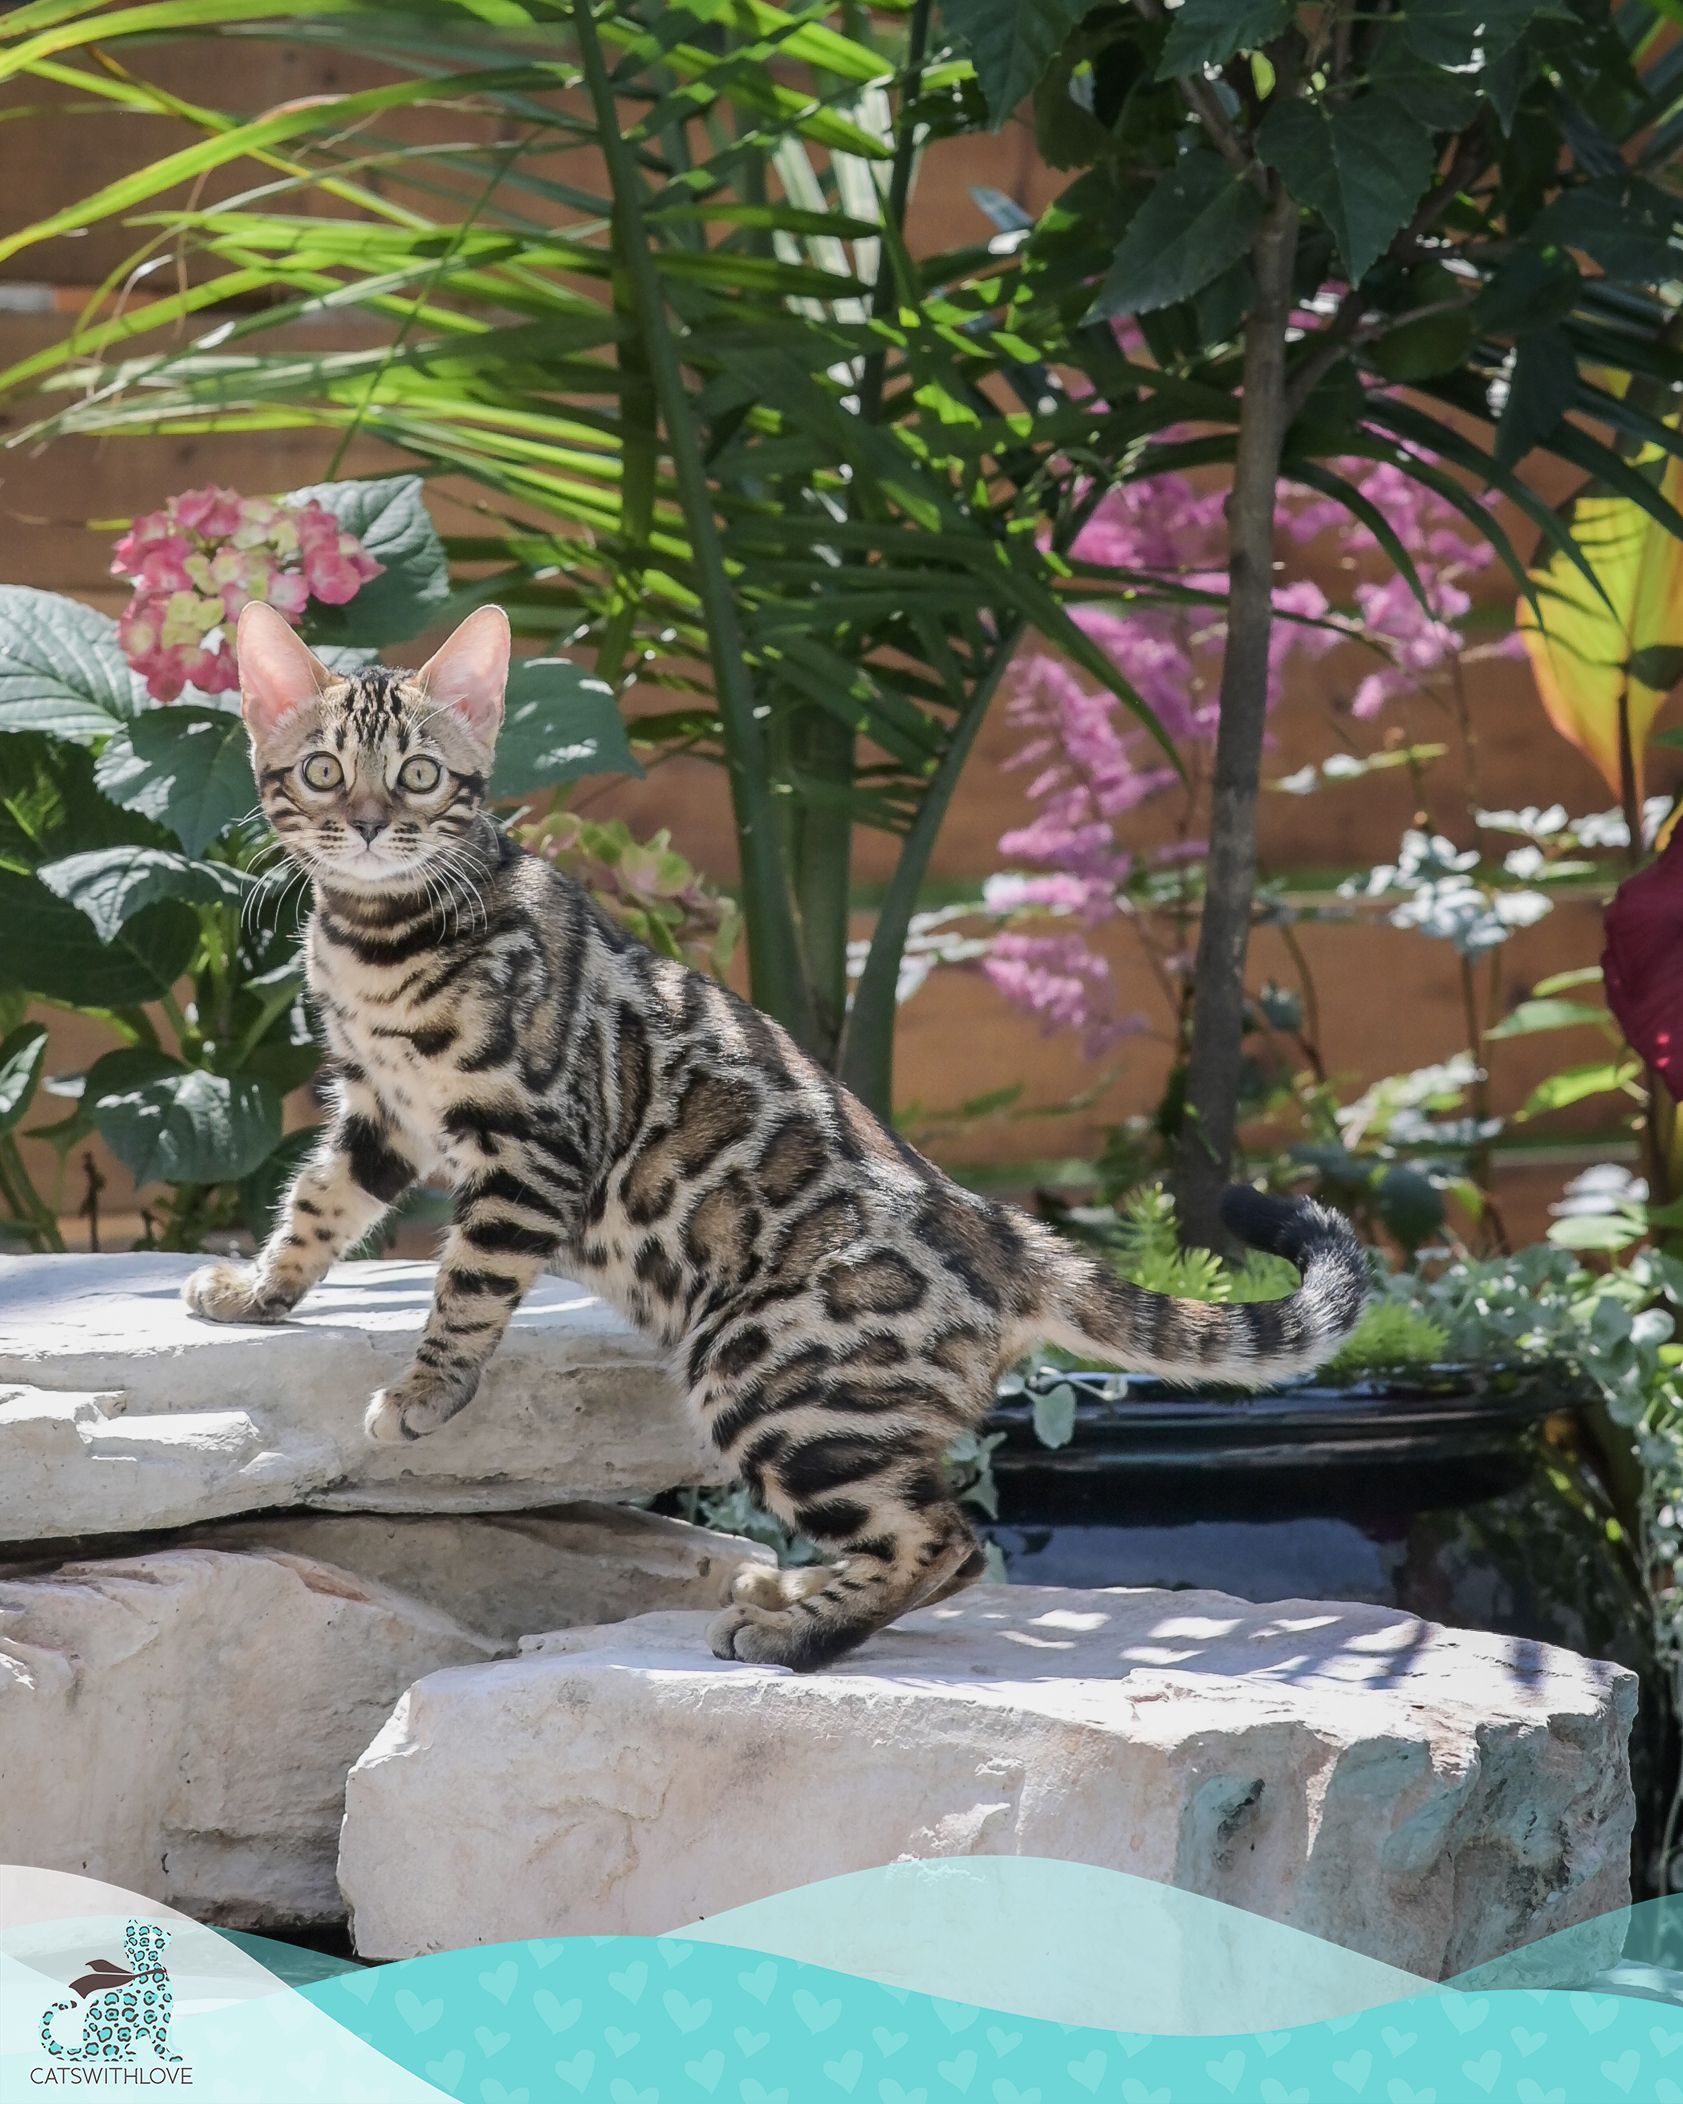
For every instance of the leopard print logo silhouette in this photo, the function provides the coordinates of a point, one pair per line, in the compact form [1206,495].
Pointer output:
[125,2004]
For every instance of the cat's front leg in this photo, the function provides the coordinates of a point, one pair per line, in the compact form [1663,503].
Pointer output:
[504,1235]
[343,1190]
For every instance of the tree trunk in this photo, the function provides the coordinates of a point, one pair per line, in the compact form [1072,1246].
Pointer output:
[1204,1150]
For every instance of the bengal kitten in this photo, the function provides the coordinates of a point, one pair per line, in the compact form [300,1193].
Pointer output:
[835,1307]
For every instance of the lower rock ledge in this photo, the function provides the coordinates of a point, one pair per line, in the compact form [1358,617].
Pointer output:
[1430,1797]
[180,1720]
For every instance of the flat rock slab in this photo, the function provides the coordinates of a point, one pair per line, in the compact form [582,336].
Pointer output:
[120,1412]
[181,1722]
[1427,1796]
[505,1575]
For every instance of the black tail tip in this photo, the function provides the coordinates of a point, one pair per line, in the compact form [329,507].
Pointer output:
[1281,1227]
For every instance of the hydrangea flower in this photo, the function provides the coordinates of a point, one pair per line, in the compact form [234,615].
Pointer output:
[206,555]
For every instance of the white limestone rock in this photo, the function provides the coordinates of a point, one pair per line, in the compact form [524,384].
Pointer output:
[504,1575]
[1429,1797]
[120,1412]
[181,1722]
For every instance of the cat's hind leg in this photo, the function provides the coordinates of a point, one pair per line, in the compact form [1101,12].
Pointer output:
[899,1555]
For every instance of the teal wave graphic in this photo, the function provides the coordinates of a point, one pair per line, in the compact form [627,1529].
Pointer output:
[1067,1984]
[1067,1941]
[664,2020]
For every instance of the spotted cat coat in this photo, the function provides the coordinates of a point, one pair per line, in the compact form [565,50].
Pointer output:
[835,1308]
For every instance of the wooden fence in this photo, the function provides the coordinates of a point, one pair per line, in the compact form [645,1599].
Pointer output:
[1387,1000]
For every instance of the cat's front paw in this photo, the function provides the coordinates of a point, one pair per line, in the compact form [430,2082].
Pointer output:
[231,1293]
[414,1406]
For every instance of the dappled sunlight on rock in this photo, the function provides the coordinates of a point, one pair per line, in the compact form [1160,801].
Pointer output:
[1352,1771]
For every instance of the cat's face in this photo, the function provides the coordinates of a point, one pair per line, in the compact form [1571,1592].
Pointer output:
[373,781]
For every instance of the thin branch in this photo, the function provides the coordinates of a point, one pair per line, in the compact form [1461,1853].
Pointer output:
[1205,104]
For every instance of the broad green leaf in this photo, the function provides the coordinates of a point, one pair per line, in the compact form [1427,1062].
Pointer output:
[1534,288]
[263,1188]
[50,948]
[1011,43]
[51,806]
[1195,221]
[1588,653]
[190,1126]
[1440,101]
[1596,1077]
[61,671]
[1363,166]
[1455,33]
[1541,387]
[111,885]
[558,724]
[1054,1415]
[1660,665]
[1536,1015]
[128,1068]
[21,1054]
[1626,225]
[1424,345]
[391,519]
[186,766]
[1208,32]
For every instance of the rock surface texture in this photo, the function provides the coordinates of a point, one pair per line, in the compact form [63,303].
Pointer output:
[120,1412]
[1427,1796]
[181,1722]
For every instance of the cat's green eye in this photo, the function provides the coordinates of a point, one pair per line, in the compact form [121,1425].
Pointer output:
[321,771]
[418,775]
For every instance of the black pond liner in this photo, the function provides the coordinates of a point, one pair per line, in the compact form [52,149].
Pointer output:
[1417,1415]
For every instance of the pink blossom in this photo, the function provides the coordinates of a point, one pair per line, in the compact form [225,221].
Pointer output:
[1066,984]
[289,594]
[336,564]
[208,553]
[211,513]
[1091,766]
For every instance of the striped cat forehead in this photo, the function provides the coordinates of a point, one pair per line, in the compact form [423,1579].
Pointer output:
[377,706]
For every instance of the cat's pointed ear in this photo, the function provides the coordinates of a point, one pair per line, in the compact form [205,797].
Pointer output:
[468,672]
[278,672]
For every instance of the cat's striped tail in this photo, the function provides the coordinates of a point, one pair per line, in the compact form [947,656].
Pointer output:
[1085,1307]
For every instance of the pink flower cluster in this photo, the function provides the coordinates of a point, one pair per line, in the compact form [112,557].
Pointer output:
[1092,766]
[207,554]
[1417,644]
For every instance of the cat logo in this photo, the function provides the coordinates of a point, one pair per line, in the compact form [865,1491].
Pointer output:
[123,2009]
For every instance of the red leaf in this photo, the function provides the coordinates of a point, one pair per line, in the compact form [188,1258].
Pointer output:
[1643,964]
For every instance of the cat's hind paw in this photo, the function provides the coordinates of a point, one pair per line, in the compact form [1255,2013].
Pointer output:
[802,1637]
[230,1293]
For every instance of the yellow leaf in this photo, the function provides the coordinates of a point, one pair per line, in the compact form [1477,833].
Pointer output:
[1580,656]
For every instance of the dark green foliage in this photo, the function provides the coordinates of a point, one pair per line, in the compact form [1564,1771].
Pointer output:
[131,888]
